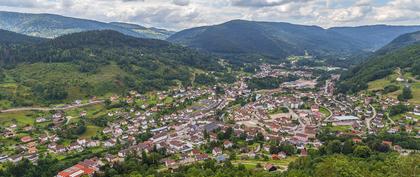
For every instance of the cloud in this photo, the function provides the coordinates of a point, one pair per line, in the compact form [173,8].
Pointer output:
[23,3]
[181,2]
[398,11]
[262,3]
[181,14]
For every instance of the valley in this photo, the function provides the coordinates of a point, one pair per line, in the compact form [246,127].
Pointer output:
[247,98]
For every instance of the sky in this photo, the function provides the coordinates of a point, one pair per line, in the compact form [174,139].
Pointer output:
[182,14]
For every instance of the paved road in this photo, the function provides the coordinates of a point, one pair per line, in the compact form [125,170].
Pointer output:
[328,109]
[369,120]
[51,109]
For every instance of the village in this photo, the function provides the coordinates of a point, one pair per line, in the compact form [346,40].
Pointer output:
[267,128]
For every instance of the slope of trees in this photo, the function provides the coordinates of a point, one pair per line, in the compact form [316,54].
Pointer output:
[378,67]
[133,63]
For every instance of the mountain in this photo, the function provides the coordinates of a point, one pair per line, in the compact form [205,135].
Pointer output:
[155,32]
[8,37]
[51,26]
[401,41]
[267,38]
[95,63]
[375,36]
[400,56]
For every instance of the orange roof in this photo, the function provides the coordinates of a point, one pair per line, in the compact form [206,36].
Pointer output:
[76,171]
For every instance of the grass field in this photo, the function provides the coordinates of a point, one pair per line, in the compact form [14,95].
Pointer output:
[324,111]
[91,131]
[78,85]
[343,128]
[381,83]
[20,118]
[281,164]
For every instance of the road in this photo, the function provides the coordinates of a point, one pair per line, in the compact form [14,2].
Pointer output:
[294,115]
[51,109]
[369,120]
[328,109]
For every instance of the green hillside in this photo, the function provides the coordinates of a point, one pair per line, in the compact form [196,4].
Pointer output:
[399,59]
[267,38]
[94,63]
[8,37]
[51,26]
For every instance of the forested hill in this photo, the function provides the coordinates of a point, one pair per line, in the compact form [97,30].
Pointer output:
[94,63]
[51,26]
[8,37]
[403,52]
[155,32]
[401,41]
[267,38]
[374,37]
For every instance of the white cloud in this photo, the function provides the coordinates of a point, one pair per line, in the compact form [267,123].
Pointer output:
[180,14]
[181,2]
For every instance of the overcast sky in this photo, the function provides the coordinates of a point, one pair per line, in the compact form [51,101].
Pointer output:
[181,14]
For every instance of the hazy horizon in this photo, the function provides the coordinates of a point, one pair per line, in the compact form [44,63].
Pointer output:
[182,14]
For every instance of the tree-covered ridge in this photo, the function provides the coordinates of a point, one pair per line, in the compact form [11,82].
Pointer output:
[97,62]
[51,26]
[380,66]
[8,37]
[280,40]
[401,41]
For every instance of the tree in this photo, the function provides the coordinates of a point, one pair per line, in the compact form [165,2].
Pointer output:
[406,94]
[347,147]
[334,147]
[2,75]
[362,151]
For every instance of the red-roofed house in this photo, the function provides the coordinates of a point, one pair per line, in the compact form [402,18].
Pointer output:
[26,139]
[76,171]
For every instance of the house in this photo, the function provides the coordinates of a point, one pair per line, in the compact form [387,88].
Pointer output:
[106,130]
[357,140]
[176,145]
[315,108]
[81,142]
[43,138]
[216,151]
[3,158]
[303,152]
[270,167]
[60,149]
[110,143]
[201,157]
[75,147]
[170,163]
[227,144]
[26,139]
[40,120]
[15,158]
[32,150]
[388,143]
[32,157]
[301,137]
[195,152]
[159,137]
[93,143]
[282,155]
[77,171]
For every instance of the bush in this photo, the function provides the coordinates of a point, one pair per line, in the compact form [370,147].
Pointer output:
[390,88]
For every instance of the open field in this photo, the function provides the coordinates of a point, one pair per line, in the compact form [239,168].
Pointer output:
[324,111]
[381,83]
[91,131]
[21,118]
[281,164]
